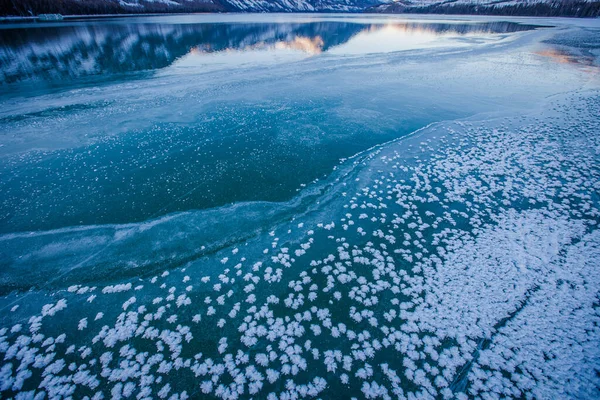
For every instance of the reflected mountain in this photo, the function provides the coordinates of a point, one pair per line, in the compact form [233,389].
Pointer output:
[67,52]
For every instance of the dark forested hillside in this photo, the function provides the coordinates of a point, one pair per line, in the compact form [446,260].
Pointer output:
[564,8]
[91,7]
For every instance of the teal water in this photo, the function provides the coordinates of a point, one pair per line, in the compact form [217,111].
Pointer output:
[122,120]
[299,206]
[117,121]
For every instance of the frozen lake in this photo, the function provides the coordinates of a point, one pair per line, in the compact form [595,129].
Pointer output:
[123,120]
[288,206]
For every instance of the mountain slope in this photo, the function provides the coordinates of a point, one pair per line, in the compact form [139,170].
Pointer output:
[95,7]
[302,5]
[574,8]
[564,8]
[81,7]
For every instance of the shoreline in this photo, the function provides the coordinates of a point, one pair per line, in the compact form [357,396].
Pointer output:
[412,14]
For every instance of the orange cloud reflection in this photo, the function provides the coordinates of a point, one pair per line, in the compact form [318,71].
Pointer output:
[304,44]
[565,57]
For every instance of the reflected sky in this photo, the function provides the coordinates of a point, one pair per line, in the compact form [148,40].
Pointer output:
[66,52]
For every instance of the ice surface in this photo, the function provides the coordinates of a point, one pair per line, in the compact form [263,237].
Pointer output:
[459,261]
[477,275]
[173,138]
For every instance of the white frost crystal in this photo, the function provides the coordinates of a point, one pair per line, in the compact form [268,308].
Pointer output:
[469,268]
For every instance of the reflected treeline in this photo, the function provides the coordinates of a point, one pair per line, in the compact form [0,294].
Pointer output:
[464,29]
[67,52]
[73,51]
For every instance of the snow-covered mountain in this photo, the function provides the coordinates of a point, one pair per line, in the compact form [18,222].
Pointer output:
[78,7]
[303,5]
[59,53]
[575,8]
[580,8]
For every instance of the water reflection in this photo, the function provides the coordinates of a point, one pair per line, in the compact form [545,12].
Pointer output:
[585,60]
[579,49]
[164,142]
[67,52]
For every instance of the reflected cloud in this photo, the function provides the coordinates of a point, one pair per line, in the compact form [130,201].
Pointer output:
[304,44]
[570,56]
[308,45]
[108,49]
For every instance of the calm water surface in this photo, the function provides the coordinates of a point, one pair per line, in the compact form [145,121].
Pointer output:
[125,119]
